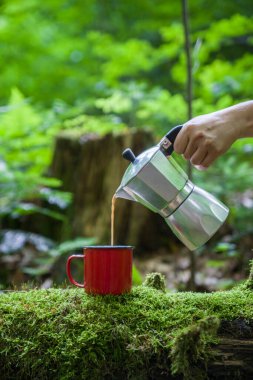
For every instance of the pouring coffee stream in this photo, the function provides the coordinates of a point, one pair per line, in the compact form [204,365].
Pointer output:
[155,180]
[112,218]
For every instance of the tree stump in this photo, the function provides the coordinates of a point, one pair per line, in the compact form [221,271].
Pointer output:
[91,167]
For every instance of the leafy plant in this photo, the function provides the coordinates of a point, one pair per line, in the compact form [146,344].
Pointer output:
[25,153]
[138,106]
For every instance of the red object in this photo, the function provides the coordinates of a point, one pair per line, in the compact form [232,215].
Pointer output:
[107,269]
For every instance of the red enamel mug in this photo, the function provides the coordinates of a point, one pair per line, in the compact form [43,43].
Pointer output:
[107,269]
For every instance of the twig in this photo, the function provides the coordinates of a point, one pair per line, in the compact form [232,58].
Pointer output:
[189,95]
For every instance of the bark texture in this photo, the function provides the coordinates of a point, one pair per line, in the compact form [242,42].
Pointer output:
[234,353]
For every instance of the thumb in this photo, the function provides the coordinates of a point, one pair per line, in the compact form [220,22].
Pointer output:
[181,141]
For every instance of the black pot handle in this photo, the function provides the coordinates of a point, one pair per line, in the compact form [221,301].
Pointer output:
[166,144]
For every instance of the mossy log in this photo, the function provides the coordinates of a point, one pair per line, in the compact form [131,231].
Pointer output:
[91,167]
[147,334]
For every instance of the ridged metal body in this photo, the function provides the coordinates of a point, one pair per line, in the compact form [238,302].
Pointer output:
[161,185]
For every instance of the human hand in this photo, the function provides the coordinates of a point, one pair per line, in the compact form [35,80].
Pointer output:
[204,138]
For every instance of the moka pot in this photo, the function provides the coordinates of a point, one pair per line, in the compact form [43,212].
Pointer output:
[155,180]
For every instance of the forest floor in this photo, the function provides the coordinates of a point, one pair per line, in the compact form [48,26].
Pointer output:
[212,271]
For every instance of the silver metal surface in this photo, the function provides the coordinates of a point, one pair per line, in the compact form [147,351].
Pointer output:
[161,185]
[156,184]
[198,218]
[178,200]
[139,163]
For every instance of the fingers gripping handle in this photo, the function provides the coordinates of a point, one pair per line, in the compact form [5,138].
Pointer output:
[167,142]
[74,282]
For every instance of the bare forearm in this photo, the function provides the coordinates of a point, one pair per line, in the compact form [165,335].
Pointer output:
[240,117]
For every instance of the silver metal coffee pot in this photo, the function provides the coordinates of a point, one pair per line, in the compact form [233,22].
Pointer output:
[155,180]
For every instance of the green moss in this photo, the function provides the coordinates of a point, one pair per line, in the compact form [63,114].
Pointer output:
[248,284]
[156,281]
[67,334]
[192,344]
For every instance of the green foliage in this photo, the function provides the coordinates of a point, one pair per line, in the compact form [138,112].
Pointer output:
[80,54]
[93,57]
[65,333]
[222,60]
[86,124]
[24,156]
[138,106]
[45,262]
[67,57]
[136,276]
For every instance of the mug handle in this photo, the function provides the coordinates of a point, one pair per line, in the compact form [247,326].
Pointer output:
[74,282]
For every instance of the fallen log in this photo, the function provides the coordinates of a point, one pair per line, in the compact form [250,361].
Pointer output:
[147,334]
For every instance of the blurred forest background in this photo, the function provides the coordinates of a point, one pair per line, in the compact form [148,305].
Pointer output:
[106,67]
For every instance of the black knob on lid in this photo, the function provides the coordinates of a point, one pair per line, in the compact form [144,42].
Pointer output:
[128,155]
